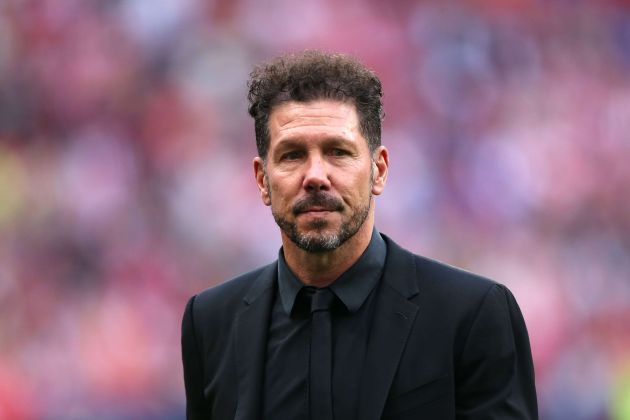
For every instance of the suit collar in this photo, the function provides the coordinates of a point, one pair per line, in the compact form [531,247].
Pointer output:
[400,271]
[262,284]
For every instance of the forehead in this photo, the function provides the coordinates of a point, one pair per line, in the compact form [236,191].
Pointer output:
[314,118]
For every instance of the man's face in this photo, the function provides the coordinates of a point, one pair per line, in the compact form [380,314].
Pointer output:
[319,176]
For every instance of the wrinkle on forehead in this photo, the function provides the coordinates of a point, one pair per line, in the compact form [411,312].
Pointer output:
[317,114]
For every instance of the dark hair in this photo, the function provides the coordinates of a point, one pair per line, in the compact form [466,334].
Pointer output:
[312,75]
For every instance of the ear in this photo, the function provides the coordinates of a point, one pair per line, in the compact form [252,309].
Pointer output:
[380,160]
[259,174]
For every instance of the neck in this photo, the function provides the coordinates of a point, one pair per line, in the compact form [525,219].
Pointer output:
[320,269]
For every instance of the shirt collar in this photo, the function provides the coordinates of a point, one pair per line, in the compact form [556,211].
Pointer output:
[352,287]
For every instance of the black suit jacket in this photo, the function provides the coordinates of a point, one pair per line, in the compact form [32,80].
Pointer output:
[444,344]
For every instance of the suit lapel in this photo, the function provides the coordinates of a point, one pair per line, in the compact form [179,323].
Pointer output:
[393,318]
[251,343]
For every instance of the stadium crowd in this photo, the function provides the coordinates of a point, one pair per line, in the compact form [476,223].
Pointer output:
[126,181]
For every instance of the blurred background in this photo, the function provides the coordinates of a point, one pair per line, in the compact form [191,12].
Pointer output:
[126,182]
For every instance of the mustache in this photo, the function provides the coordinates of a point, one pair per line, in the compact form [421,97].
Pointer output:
[319,199]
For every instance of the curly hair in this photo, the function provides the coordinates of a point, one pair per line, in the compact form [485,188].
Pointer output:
[312,75]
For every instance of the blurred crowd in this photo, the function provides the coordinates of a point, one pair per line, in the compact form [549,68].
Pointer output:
[126,182]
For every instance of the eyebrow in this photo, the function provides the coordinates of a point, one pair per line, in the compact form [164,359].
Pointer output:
[297,142]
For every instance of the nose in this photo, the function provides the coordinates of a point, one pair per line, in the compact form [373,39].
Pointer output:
[316,176]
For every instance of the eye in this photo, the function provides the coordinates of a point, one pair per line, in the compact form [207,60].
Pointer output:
[339,152]
[291,155]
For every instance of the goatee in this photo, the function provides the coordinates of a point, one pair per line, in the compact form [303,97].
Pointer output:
[317,239]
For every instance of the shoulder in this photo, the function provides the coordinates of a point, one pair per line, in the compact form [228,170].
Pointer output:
[427,272]
[453,302]
[436,275]
[459,292]
[230,294]
[438,285]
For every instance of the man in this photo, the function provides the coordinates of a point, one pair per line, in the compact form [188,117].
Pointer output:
[345,324]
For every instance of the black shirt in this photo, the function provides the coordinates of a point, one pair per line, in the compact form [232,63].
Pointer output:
[287,365]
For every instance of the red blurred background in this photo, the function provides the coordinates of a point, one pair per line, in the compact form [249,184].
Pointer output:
[126,182]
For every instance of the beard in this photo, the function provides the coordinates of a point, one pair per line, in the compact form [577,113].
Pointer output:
[318,239]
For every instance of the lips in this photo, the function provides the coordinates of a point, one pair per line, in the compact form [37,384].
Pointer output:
[317,210]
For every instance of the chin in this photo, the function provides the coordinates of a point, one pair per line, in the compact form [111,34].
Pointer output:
[318,241]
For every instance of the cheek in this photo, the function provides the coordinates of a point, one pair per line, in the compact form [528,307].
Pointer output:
[354,193]
[358,184]
[276,191]
[279,192]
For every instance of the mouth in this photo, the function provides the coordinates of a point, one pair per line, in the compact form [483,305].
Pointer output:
[316,211]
